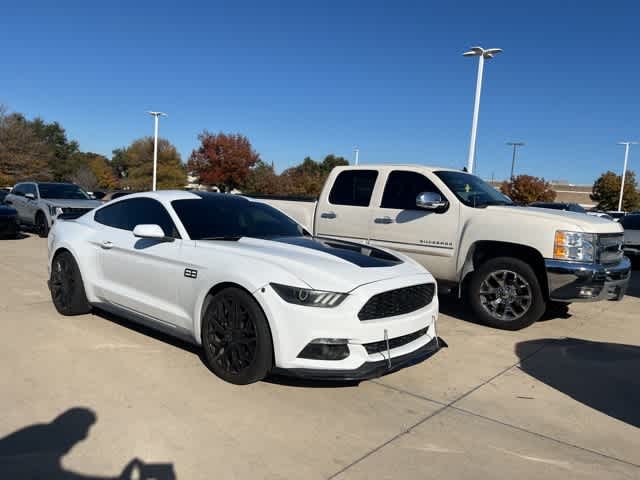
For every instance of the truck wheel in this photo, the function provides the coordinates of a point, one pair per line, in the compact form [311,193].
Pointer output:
[505,293]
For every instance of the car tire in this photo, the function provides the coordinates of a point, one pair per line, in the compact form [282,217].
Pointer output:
[42,225]
[236,338]
[66,286]
[505,293]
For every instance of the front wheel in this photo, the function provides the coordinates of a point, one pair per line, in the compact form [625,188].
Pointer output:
[42,225]
[67,288]
[505,293]
[236,338]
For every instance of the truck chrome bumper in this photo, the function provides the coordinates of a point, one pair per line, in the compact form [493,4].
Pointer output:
[580,282]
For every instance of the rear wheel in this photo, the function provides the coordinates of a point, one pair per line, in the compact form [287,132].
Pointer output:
[42,225]
[67,289]
[505,293]
[236,338]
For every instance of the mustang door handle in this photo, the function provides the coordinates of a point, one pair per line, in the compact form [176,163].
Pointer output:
[383,220]
[106,244]
[328,215]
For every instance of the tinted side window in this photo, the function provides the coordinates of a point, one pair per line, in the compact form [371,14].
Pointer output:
[18,190]
[402,188]
[30,188]
[353,187]
[631,222]
[127,214]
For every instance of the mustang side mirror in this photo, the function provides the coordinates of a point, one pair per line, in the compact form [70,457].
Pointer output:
[431,201]
[149,231]
[30,196]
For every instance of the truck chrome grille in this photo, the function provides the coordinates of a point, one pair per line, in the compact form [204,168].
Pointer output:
[610,248]
[381,346]
[398,302]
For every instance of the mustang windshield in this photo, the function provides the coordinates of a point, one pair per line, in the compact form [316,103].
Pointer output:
[63,191]
[228,217]
[472,190]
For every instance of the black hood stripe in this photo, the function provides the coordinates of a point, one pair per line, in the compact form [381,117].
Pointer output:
[360,255]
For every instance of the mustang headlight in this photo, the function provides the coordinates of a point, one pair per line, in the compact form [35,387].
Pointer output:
[308,297]
[576,246]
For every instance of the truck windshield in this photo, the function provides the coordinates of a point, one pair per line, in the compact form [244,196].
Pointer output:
[229,217]
[472,190]
[65,191]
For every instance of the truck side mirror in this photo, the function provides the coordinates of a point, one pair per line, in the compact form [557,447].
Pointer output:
[431,201]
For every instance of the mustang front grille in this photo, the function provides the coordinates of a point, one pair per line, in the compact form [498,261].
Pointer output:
[398,302]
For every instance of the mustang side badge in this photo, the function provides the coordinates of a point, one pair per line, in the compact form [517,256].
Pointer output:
[190,273]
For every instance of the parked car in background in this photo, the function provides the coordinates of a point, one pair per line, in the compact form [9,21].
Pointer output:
[8,222]
[113,195]
[39,203]
[98,195]
[509,261]
[567,207]
[616,214]
[631,225]
[247,283]
[3,195]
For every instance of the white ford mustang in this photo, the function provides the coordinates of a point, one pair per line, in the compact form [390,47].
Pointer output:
[247,283]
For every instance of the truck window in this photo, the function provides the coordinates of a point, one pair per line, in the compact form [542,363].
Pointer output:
[353,187]
[403,187]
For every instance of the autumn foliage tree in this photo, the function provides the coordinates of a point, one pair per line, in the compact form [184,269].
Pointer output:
[223,160]
[606,191]
[525,189]
[307,179]
[136,161]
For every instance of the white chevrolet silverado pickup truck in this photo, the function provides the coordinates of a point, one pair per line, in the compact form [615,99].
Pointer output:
[509,261]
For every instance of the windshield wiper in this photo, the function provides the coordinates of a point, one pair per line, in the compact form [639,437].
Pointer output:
[224,238]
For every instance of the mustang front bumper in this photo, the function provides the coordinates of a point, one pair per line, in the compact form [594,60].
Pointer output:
[574,281]
[367,370]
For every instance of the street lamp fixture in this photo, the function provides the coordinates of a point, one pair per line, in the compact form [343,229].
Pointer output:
[155,144]
[482,55]
[515,145]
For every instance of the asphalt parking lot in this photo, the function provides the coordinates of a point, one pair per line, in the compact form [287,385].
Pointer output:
[560,399]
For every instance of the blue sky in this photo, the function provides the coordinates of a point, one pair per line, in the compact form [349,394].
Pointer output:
[311,78]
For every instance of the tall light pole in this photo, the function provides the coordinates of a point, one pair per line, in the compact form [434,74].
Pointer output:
[624,170]
[513,158]
[356,152]
[155,144]
[482,54]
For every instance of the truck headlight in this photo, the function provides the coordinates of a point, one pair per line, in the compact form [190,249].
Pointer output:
[308,297]
[54,211]
[576,246]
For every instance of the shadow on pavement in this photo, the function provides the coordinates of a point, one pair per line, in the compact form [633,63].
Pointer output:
[36,451]
[455,307]
[601,375]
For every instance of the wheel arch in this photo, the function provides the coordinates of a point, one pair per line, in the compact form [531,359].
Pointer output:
[204,303]
[88,287]
[484,250]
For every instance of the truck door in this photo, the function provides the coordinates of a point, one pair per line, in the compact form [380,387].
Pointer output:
[427,236]
[344,212]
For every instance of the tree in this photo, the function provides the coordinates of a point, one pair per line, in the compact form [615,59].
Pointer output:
[99,166]
[606,191]
[63,162]
[263,180]
[526,189]
[224,160]
[23,155]
[307,179]
[137,161]
[85,177]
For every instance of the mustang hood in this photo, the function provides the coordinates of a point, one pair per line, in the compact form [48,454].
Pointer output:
[326,264]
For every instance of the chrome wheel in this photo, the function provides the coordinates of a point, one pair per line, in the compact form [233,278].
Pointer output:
[505,295]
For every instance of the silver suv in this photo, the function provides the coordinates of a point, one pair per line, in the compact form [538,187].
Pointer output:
[39,203]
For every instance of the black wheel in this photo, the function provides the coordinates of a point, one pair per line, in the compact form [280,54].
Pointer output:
[67,289]
[236,337]
[505,293]
[42,226]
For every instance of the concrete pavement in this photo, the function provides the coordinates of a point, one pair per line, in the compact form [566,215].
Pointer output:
[557,400]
